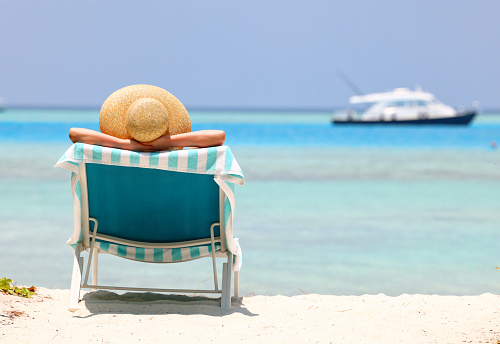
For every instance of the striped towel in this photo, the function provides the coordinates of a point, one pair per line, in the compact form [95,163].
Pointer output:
[216,161]
[157,255]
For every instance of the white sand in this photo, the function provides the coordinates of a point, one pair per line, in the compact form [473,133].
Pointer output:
[146,318]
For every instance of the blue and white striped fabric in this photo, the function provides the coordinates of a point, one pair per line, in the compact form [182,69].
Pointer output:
[157,255]
[216,161]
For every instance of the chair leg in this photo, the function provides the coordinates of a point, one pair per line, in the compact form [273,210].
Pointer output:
[76,280]
[94,267]
[226,283]
[236,284]
[223,300]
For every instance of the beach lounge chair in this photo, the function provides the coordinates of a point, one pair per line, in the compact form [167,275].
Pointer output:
[161,207]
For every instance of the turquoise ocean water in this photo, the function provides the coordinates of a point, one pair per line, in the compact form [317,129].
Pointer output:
[325,209]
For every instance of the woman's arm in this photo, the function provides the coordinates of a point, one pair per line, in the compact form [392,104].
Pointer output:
[200,139]
[96,138]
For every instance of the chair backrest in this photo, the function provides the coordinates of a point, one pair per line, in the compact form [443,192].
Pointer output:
[151,205]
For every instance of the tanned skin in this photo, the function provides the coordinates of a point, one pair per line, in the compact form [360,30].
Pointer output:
[199,139]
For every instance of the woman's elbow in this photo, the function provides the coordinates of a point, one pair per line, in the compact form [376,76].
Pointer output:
[73,133]
[220,138]
[76,134]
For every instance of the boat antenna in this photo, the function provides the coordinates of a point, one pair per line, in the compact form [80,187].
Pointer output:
[350,84]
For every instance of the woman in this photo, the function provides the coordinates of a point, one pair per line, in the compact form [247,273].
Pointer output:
[199,139]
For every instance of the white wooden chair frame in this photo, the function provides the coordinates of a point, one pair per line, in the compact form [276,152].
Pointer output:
[89,240]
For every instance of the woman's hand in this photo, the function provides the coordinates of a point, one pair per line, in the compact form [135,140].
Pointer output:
[162,143]
[137,146]
[199,139]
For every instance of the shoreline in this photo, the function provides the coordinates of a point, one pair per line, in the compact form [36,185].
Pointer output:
[146,317]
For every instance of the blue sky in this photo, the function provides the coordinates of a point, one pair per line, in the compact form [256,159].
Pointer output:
[242,54]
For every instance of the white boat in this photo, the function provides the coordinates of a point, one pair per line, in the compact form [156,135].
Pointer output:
[403,106]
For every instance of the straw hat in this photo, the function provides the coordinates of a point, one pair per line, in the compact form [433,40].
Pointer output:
[143,113]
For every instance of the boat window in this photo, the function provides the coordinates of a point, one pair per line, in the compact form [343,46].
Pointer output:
[421,103]
[400,103]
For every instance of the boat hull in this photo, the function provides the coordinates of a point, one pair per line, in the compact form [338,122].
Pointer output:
[461,119]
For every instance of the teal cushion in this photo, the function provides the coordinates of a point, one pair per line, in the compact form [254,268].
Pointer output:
[151,205]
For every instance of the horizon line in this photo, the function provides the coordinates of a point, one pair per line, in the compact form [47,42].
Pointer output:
[209,109]
[189,108]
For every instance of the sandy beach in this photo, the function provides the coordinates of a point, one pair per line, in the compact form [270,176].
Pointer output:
[106,317]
